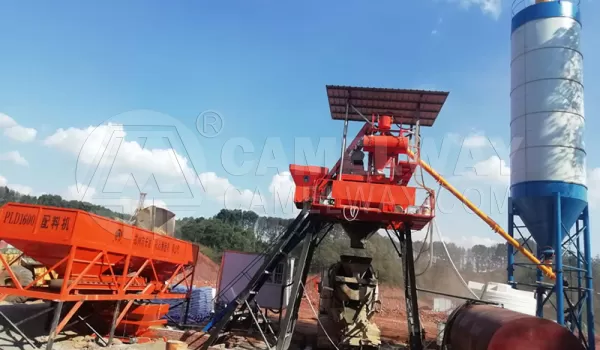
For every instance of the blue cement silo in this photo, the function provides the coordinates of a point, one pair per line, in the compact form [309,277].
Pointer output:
[548,158]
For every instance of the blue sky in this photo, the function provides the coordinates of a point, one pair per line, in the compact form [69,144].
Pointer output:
[262,66]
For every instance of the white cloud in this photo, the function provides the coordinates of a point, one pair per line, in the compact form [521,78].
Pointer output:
[22,189]
[282,189]
[492,8]
[105,147]
[476,141]
[80,192]
[15,131]
[473,140]
[231,197]
[3,181]
[15,157]
[21,133]
[593,184]
[6,121]
[492,170]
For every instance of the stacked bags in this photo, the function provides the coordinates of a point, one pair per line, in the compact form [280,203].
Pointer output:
[201,304]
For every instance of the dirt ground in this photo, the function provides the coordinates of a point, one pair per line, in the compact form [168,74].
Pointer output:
[206,272]
[391,320]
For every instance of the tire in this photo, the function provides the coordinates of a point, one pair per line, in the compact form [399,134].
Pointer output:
[23,275]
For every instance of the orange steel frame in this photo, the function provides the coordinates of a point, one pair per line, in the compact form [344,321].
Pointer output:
[88,275]
[118,288]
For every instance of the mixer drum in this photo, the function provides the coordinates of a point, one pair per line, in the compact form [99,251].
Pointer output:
[485,327]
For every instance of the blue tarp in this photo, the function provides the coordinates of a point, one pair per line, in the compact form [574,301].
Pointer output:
[201,304]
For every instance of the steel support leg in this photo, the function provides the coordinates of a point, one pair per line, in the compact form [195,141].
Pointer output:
[344,142]
[113,325]
[286,328]
[54,325]
[184,319]
[416,333]
[18,330]
[589,286]
[580,294]
[540,290]
[510,254]
[558,263]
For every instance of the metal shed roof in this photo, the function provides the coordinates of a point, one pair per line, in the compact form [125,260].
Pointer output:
[406,106]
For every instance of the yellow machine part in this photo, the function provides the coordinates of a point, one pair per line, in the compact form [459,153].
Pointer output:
[37,271]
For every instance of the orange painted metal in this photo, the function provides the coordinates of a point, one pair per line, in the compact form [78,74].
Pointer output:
[46,234]
[306,178]
[384,148]
[368,196]
[96,259]
[385,123]
[387,198]
[389,144]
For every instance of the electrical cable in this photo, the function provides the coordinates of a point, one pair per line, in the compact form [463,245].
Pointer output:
[432,223]
[452,262]
[429,249]
[430,245]
[317,317]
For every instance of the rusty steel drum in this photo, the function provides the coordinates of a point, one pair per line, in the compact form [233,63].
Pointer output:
[486,327]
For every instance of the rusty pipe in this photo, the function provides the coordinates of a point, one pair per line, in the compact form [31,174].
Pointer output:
[486,327]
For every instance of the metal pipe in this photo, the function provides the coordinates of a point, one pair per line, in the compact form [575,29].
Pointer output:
[539,291]
[113,325]
[55,320]
[343,143]
[580,269]
[560,296]
[288,323]
[362,115]
[488,220]
[36,315]
[589,286]
[100,337]
[510,256]
[16,328]
[257,325]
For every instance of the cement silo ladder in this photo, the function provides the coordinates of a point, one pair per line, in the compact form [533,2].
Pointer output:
[493,224]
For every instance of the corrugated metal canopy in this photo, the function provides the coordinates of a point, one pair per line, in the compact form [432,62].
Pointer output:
[406,106]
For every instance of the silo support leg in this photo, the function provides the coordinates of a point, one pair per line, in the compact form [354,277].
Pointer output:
[559,291]
[589,286]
